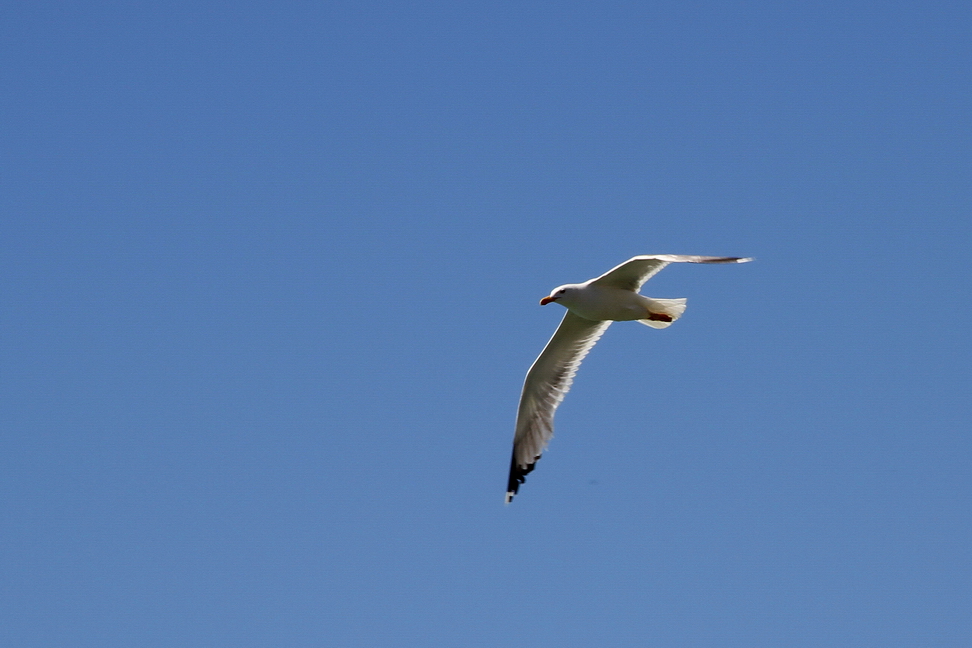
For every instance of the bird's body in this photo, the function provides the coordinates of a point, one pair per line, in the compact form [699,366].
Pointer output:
[607,303]
[591,307]
[598,303]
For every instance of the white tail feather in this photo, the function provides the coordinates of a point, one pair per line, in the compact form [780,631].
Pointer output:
[671,307]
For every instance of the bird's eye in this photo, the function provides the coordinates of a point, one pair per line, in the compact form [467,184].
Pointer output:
[561,291]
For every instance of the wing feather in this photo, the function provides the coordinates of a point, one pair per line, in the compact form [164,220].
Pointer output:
[633,273]
[548,380]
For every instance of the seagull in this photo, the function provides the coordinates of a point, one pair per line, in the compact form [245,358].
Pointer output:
[591,307]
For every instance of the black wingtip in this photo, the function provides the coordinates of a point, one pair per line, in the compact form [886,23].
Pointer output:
[728,260]
[517,476]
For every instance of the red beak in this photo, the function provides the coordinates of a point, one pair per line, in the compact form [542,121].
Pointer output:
[546,300]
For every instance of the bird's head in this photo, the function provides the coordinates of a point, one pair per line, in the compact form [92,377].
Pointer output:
[557,294]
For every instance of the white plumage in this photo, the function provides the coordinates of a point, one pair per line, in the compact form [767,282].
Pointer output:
[591,307]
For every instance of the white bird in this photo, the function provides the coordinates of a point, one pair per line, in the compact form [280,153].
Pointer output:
[591,307]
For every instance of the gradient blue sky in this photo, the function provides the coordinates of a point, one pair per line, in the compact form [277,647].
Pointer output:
[270,283]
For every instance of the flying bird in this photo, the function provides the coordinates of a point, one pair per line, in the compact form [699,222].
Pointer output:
[591,307]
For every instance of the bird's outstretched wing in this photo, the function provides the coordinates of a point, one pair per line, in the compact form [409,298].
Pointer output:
[633,273]
[546,383]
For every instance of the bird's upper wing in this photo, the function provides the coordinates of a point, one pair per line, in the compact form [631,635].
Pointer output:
[634,272]
[546,383]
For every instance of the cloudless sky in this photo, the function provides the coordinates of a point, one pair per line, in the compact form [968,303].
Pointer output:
[270,275]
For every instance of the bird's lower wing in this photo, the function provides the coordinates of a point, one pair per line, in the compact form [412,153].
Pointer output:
[633,273]
[546,383]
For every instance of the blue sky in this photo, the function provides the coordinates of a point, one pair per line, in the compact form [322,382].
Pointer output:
[270,290]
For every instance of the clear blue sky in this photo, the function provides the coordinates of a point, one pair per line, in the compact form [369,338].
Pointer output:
[270,275]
